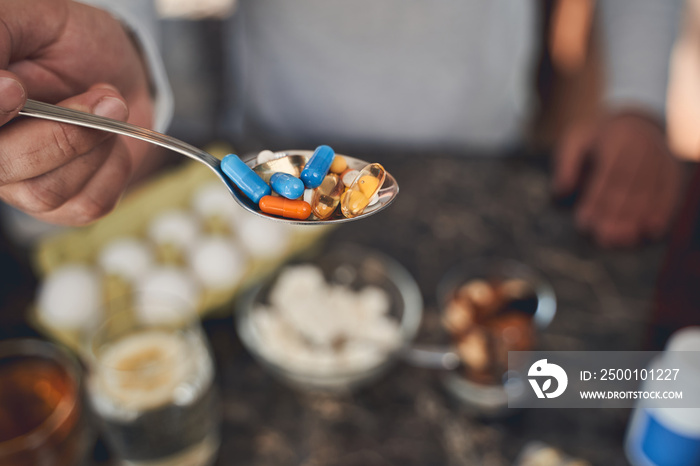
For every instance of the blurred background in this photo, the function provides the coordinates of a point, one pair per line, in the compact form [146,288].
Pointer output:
[279,403]
[570,75]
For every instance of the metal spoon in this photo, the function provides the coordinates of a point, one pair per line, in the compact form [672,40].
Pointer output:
[46,111]
[432,357]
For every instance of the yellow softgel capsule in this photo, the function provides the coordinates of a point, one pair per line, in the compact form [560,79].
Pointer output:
[353,203]
[327,196]
[368,184]
[357,197]
[339,164]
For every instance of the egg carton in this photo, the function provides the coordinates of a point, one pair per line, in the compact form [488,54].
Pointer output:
[181,232]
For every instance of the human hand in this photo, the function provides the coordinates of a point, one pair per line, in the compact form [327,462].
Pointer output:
[633,183]
[76,56]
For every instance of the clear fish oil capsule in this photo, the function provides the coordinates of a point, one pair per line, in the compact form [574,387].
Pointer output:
[357,197]
[327,196]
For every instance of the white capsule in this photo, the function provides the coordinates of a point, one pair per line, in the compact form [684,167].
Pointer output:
[267,155]
[373,200]
[350,176]
[308,195]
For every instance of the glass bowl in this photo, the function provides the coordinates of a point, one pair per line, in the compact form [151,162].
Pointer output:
[334,367]
[491,398]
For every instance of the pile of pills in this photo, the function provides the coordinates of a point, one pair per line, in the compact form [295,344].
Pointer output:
[315,327]
[325,182]
[486,319]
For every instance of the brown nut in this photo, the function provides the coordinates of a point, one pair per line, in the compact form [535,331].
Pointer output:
[515,288]
[513,330]
[473,350]
[483,295]
[458,317]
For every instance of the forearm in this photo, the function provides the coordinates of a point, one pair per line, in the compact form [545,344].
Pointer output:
[638,37]
[140,19]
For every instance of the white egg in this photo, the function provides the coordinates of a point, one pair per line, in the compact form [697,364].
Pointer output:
[177,227]
[71,297]
[217,262]
[213,199]
[129,258]
[262,238]
[166,294]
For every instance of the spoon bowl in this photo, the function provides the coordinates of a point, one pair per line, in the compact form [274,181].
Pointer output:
[291,162]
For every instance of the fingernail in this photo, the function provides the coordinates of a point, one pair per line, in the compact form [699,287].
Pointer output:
[11,95]
[111,107]
[105,86]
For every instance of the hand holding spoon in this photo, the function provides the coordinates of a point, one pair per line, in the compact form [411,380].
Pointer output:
[291,161]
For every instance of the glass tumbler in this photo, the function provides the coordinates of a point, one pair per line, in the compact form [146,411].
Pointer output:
[42,421]
[151,383]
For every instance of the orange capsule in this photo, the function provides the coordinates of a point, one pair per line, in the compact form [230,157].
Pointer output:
[287,208]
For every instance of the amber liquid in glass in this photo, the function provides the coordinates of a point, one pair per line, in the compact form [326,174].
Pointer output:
[38,413]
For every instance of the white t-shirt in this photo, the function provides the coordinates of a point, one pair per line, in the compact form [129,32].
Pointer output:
[397,72]
[412,72]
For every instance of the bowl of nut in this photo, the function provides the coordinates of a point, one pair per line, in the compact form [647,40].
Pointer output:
[331,323]
[488,310]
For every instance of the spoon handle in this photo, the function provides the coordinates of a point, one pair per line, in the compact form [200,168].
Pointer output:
[46,111]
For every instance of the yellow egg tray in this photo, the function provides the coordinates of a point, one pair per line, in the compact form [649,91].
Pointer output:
[170,190]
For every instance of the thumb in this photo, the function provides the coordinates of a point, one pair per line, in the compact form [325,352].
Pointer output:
[569,159]
[12,96]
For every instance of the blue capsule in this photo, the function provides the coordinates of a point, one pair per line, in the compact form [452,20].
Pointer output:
[287,185]
[245,178]
[317,167]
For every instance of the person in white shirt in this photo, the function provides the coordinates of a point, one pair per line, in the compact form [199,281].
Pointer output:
[399,73]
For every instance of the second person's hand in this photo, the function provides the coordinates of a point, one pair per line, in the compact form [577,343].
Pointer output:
[634,184]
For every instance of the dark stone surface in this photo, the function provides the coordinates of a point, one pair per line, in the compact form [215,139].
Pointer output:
[450,210]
